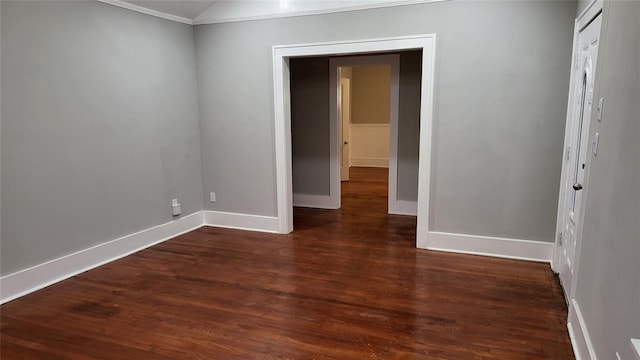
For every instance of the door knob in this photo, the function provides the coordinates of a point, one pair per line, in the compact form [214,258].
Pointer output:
[346,143]
[577,186]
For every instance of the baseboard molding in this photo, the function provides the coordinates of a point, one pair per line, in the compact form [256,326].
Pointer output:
[635,345]
[370,162]
[26,281]
[580,340]
[403,207]
[241,221]
[314,201]
[489,246]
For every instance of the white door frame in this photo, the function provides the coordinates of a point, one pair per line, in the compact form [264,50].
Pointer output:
[282,108]
[394,61]
[344,124]
[583,20]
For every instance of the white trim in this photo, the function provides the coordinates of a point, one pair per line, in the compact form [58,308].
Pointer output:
[491,246]
[37,277]
[205,21]
[42,275]
[580,340]
[635,345]
[403,207]
[241,221]
[365,161]
[560,215]
[589,14]
[313,201]
[147,11]
[282,128]
[282,115]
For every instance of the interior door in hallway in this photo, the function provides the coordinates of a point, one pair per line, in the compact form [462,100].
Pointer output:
[345,121]
[577,151]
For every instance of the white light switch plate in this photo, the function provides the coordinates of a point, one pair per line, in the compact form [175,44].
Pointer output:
[599,110]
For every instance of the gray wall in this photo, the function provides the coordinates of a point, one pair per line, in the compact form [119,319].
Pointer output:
[582,5]
[99,126]
[409,124]
[608,281]
[310,125]
[501,95]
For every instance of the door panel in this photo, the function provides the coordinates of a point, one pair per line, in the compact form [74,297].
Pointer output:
[577,150]
[345,120]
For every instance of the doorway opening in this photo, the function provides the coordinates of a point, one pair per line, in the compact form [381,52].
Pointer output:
[282,104]
[364,116]
[367,93]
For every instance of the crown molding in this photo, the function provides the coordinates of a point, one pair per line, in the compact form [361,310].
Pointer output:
[144,10]
[206,21]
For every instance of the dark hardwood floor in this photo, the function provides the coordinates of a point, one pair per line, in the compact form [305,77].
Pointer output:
[346,284]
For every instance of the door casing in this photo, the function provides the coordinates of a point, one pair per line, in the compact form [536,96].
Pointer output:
[344,111]
[282,116]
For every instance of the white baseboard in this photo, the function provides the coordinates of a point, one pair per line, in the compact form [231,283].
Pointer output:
[489,246]
[370,162]
[403,207]
[314,201]
[241,221]
[26,281]
[580,340]
[635,345]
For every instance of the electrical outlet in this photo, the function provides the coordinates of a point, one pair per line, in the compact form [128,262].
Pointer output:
[176,208]
[212,196]
[599,109]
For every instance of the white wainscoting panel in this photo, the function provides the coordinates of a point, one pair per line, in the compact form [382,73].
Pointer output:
[370,145]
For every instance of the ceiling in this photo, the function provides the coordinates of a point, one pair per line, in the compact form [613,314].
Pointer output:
[189,9]
[216,11]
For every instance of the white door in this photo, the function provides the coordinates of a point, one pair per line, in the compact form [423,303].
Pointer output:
[345,120]
[576,150]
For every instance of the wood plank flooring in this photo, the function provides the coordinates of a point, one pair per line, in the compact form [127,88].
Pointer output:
[347,284]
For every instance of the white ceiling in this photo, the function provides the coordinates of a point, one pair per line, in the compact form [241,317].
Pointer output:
[189,9]
[216,11]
